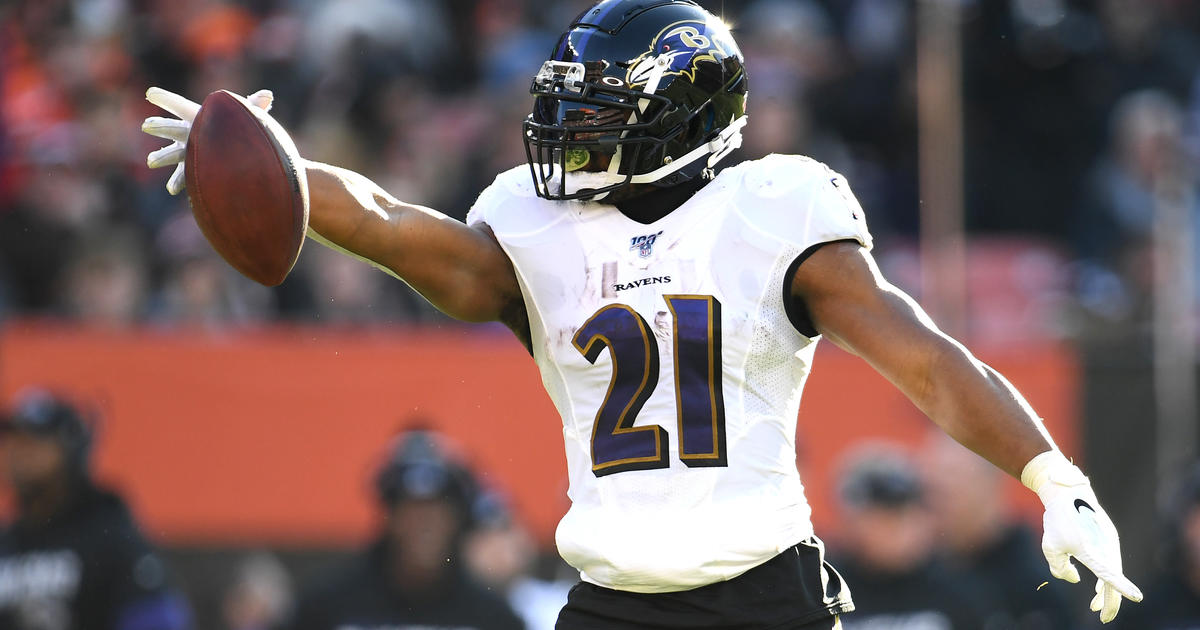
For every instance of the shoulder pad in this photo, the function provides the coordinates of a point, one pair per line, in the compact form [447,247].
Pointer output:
[800,200]
[777,175]
[510,205]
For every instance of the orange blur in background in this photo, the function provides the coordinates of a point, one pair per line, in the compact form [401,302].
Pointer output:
[272,435]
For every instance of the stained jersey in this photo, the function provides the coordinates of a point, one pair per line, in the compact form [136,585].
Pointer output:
[667,349]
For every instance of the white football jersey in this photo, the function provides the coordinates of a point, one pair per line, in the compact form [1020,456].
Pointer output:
[668,352]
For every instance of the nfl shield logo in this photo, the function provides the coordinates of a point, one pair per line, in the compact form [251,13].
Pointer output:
[644,244]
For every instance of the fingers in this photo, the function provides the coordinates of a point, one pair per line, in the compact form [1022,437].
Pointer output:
[174,103]
[1124,587]
[1098,601]
[1114,578]
[1107,601]
[1110,588]
[166,156]
[177,130]
[262,99]
[1060,565]
[1111,603]
[176,183]
[167,128]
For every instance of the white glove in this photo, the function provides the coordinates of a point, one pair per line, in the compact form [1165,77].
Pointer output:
[1077,527]
[176,129]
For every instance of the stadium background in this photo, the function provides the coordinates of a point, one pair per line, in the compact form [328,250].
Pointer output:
[237,417]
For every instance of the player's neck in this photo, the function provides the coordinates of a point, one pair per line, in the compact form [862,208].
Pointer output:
[657,203]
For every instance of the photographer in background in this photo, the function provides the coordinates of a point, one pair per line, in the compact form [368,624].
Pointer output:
[74,558]
[413,574]
[887,551]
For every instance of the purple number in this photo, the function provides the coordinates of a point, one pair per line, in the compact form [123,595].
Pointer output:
[617,445]
[698,401]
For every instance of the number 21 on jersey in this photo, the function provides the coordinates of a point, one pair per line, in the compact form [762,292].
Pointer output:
[617,445]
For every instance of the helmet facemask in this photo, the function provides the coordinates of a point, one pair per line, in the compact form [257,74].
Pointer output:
[575,120]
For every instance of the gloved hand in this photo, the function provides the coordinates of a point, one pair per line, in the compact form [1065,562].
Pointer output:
[1077,527]
[176,129]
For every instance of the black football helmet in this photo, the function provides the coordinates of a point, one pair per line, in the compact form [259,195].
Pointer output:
[657,85]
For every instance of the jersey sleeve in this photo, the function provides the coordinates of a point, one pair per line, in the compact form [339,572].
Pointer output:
[800,204]
[511,208]
[803,202]
[508,189]
[488,199]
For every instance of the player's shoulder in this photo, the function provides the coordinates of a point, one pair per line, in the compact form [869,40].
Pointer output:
[797,199]
[510,205]
[778,175]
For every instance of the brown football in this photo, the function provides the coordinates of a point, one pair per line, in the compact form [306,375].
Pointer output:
[247,187]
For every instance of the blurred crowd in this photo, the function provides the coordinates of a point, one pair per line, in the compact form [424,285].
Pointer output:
[1081,123]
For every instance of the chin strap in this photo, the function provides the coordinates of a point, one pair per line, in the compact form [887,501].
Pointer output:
[726,142]
[730,140]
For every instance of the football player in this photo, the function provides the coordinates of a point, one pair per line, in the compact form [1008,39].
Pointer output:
[673,312]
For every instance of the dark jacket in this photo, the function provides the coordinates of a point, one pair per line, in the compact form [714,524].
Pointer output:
[1014,571]
[87,568]
[362,597]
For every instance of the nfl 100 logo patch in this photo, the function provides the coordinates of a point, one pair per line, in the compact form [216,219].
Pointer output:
[644,244]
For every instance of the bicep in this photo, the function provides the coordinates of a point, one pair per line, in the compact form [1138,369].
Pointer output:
[460,269]
[851,304]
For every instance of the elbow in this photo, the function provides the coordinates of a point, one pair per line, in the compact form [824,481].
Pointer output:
[944,361]
[954,381]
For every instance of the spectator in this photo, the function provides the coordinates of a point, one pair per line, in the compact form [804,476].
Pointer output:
[199,289]
[74,557]
[412,575]
[981,538]
[1176,591]
[1113,230]
[887,551]
[106,284]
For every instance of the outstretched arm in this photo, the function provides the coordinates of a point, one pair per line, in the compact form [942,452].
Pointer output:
[461,270]
[851,304]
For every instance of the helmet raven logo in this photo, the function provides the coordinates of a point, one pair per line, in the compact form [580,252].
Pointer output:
[680,46]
